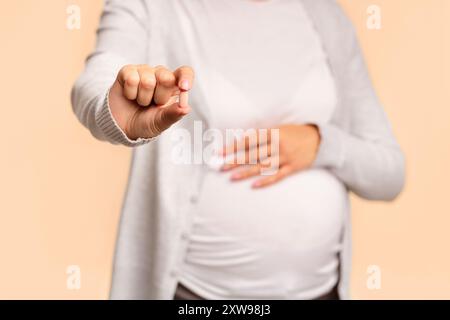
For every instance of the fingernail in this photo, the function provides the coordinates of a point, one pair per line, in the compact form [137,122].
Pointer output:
[184,85]
[256,184]
[235,176]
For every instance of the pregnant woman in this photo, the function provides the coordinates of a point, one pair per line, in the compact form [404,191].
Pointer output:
[194,231]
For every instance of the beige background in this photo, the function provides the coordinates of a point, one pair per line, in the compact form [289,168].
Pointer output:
[61,190]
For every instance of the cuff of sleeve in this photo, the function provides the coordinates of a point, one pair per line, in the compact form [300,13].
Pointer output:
[111,129]
[331,148]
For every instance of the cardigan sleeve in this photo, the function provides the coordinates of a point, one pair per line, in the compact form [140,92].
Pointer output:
[363,153]
[121,39]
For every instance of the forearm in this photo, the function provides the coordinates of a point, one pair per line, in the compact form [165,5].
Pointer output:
[121,40]
[372,169]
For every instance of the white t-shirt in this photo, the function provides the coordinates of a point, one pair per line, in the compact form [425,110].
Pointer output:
[266,66]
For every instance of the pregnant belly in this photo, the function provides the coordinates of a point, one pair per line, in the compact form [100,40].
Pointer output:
[289,232]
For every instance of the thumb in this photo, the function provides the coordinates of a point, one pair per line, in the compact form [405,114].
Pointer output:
[167,116]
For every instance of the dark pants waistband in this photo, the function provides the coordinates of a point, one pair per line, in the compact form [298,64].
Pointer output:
[183,293]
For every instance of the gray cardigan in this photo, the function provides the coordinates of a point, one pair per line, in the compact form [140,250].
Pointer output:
[357,145]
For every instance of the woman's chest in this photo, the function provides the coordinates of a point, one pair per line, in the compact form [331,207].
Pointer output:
[256,67]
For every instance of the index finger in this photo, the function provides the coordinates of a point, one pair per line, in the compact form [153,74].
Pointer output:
[252,138]
[184,78]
